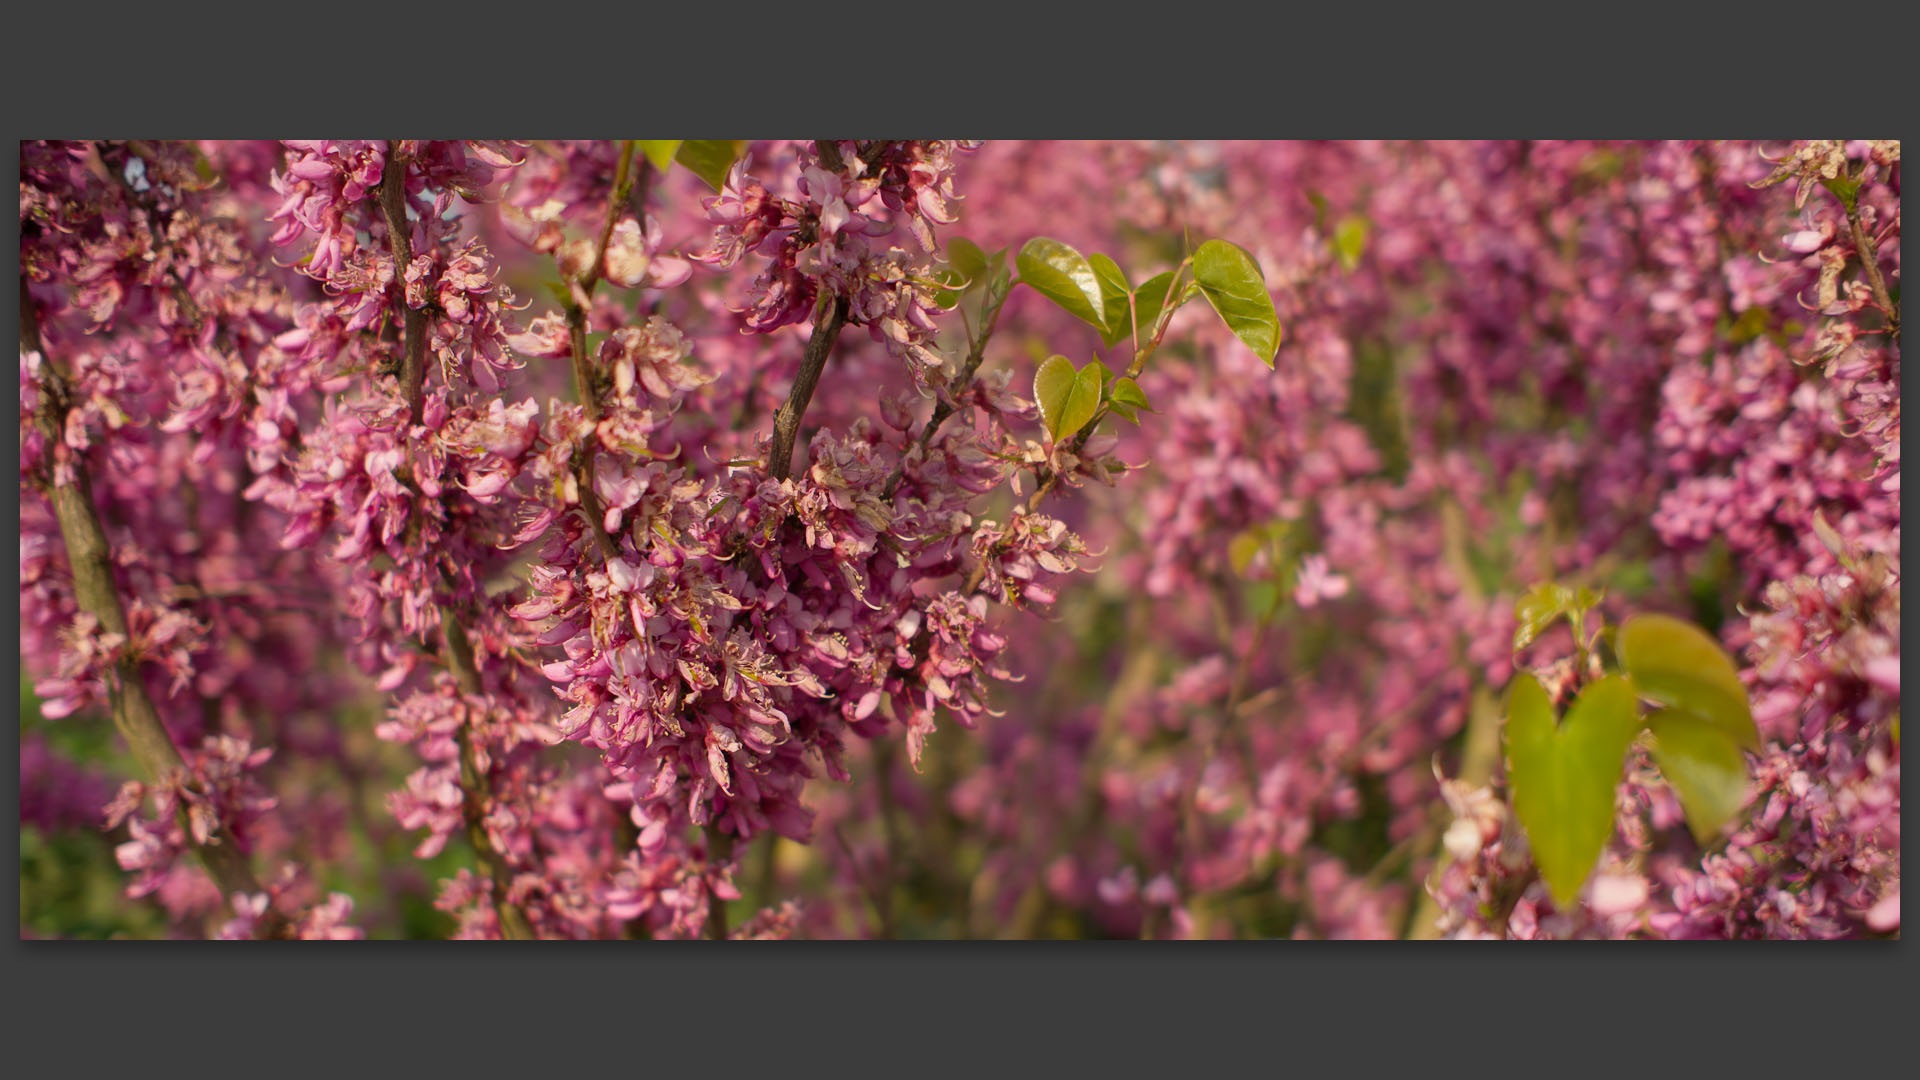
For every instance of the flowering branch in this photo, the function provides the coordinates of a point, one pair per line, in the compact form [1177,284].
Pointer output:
[1870,261]
[90,559]
[413,374]
[989,318]
[786,421]
[393,200]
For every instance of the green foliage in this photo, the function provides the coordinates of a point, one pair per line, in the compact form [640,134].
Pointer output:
[1350,240]
[660,151]
[1374,402]
[1116,313]
[71,887]
[1093,289]
[1679,665]
[1542,604]
[1234,285]
[709,159]
[1125,397]
[1150,297]
[1703,765]
[1563,776]
[1068,399]
[965,256]
[1064,276]
[1845,188]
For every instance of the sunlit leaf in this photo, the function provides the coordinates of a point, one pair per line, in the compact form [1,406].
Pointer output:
[1127,392]
[710,159]
[1114,290]
[1063,276]
[1705,767]
[955,282]
[1085,402]
[660,152]
[1055,389]
[1676,663]
[1536,611]
[1232,282]
[966,257]
[1148,300]
[1563,777]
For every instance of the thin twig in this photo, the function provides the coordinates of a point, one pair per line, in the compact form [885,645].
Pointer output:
[786,422]
[393,200]
[1870,261]
[989,317]
[460,659]
[579,299]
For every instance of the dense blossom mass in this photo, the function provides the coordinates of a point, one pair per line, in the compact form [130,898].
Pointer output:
[579,539]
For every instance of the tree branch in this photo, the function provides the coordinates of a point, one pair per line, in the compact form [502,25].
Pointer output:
[1870,261]
[393,200]
[786,422]
[90,560]
[460,660]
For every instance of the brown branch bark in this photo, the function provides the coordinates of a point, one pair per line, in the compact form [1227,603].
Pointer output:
[90,560]
[393,200]
[1870,262]
[786,422]
[460,659]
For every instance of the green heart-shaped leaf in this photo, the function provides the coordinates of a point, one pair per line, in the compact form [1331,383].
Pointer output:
[1114,290]
[1063,276]
[1705,767]
[660,152]
[710,159]
[1676,663]
[1067,398]
[1234,285]
[1563,777]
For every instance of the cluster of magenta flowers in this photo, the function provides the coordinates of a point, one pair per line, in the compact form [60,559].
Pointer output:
[504,457]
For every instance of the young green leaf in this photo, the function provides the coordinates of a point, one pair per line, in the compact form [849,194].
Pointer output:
[966,257]
[660,152]
[1127,392]
[1676,663]
[1563,778]
[1350,240]
[1536,611]
[954,284]
[1234,285]
[1067,398]
[1085,401]
[1148,299]
[1704,766]
[710,159]
[1063,276]
[1113,299]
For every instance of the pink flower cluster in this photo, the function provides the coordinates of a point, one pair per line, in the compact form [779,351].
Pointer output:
[361,498]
